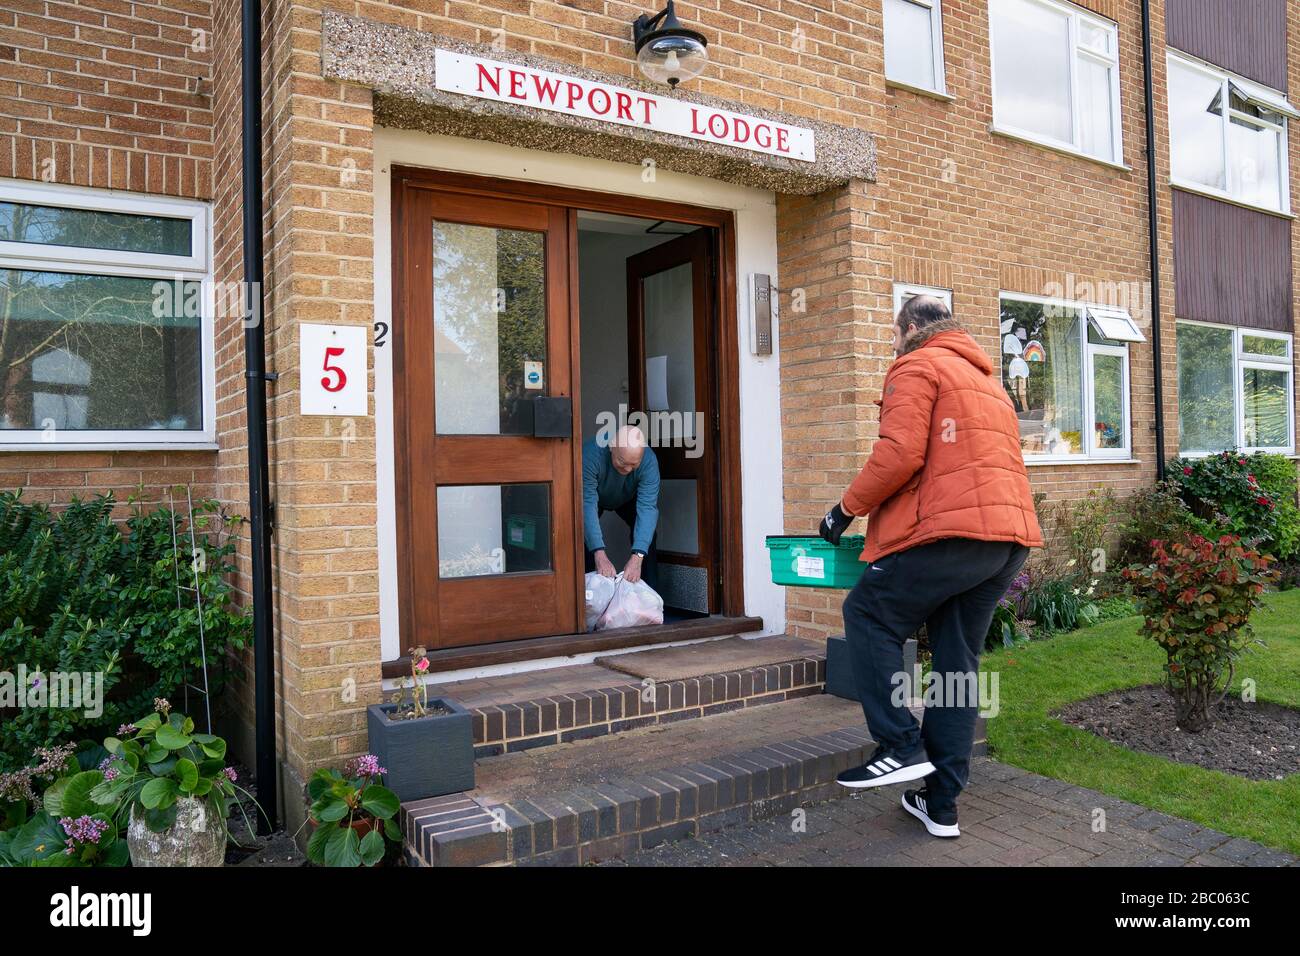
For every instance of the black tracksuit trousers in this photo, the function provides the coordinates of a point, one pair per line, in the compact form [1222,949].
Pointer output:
[952,586]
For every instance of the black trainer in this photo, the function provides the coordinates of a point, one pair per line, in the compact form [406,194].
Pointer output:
[885,768]
[939,824]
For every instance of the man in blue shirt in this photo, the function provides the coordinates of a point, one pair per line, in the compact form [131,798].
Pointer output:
[622,477]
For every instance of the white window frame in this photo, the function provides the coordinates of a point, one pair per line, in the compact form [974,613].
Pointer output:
[936,38]
[1077,15]
[194,267]
[907,290]
[1087,351]
[1241,360]
[1264,96]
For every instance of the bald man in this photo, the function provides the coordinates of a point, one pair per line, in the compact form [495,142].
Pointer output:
[623,477]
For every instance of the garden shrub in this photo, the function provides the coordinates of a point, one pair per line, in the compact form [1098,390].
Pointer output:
[1252,497]
[1196,598]
[1152,514]
[81,593]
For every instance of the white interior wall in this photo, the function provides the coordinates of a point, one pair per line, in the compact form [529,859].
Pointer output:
[760,420]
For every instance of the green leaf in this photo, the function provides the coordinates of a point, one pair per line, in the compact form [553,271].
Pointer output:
[38,840]
[372,848]
[187,774]
[392,831]
[316,845]
[158,794]
[171,738]
[216,748]
[343,848]
[151,722]
[379,801]
[52,801]
[330,811]
[75,799]
[119,854]
[155,754]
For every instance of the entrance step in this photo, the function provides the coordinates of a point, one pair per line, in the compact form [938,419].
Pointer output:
[622,692]
[603,797]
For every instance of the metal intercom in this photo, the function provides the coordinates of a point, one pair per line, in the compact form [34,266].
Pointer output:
[760,314]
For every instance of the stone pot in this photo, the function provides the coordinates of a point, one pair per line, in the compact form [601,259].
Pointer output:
[197,838]
[427,757]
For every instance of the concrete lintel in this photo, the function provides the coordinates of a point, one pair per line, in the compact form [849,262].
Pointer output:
[398,64]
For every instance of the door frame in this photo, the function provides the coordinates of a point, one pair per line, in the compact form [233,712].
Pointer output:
[726,427]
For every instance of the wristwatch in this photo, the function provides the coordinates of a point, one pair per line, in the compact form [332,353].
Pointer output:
[638,551]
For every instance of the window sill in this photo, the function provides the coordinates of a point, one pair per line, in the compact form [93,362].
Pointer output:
[1211,194]
[1037,462]
[919,91]
[1061,150]
[108,446]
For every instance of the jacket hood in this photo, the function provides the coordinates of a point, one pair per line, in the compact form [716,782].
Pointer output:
[959,342]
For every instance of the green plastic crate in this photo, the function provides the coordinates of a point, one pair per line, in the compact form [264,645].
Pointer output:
[805,560]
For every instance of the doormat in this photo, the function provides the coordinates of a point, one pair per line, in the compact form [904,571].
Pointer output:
[713,657]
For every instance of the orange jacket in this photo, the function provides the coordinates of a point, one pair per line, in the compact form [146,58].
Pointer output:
[947,463]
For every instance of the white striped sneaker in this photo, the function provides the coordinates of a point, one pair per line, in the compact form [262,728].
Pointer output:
[884,768]
[939,824]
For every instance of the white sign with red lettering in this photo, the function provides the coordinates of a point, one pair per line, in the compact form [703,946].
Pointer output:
[332,367]
[558,93]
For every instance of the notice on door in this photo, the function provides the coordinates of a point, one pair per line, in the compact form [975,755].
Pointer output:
[332,367]
[576,96]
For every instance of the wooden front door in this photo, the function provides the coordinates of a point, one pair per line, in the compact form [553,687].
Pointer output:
[483,368]
[673,376]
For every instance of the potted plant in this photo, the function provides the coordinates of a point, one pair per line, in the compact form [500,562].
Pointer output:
[426,744]
[353,814]
[174,788]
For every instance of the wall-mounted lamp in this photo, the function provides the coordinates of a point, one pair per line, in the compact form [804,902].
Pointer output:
[666,51]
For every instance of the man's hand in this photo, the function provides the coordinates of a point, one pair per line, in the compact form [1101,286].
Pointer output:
[604,565]
[632,572]
[835,524]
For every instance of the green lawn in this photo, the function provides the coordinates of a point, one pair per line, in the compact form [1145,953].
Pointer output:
[1046,675]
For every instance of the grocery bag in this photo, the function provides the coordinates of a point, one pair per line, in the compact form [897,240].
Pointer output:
[632,605]
[600,591]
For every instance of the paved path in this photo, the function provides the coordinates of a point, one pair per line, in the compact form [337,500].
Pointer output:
[1009,817]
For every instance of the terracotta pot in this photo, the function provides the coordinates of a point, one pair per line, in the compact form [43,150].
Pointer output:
[197,838]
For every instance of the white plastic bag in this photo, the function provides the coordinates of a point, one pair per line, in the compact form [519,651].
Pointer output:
[600,591]
[632,605]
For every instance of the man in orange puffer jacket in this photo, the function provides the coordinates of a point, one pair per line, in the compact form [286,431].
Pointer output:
[950,524]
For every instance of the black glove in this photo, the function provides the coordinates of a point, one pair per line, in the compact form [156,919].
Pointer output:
[834,524]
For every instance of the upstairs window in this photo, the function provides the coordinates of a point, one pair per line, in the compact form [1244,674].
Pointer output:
[914,44]
[105,319]
[1056,76]
[1227,135]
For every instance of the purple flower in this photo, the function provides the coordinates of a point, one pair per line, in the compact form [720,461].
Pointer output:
[83,831]
[230,774]
[126,730]
[365,766]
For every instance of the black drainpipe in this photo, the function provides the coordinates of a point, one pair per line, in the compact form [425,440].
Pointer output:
[259,488]
[1152,228]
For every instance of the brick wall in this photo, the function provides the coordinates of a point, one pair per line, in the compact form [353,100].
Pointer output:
[107,94]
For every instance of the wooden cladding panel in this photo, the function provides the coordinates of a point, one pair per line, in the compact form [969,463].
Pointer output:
[1247,37]
[1231,264]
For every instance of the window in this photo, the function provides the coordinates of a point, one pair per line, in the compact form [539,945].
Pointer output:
[1235,389]
[105,319]
[1227,136]
[1056,76]
[914,44]
[904,291]
[1065,369]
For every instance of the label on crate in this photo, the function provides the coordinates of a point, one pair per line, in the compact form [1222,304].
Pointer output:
[807,567]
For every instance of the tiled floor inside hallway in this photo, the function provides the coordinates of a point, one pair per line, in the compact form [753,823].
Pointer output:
[1009,817]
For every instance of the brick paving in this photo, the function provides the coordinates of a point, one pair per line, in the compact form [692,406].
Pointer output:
[1009,817]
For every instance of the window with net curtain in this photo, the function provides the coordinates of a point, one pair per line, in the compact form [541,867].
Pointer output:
[1042,371]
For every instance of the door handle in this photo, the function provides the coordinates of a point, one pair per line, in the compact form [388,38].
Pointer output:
[552,417]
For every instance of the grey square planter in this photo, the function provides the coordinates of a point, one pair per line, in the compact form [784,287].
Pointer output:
[428,757]
[839,669]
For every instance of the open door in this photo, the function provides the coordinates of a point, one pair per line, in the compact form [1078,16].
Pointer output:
[673,377]
[484,419]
